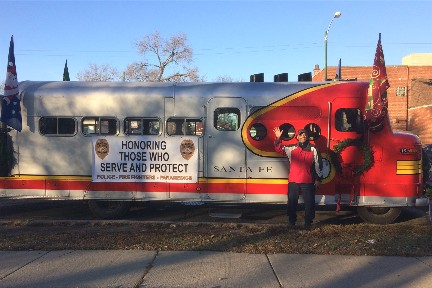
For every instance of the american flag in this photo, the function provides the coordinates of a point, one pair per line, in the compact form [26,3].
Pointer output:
[11,102]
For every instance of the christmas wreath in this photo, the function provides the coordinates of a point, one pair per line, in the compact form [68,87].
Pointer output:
[368,159]
[426,170]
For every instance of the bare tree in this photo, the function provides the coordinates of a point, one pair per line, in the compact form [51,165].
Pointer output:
[224,78]
[227,78]
[165,60]
[96,72]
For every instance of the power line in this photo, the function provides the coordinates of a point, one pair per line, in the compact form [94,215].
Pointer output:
[211,51]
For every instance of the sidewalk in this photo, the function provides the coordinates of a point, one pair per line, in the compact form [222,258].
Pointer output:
[136,268]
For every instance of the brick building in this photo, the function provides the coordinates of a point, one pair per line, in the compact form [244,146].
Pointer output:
[409,95]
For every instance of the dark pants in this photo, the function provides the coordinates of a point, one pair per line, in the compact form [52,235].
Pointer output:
[308,192]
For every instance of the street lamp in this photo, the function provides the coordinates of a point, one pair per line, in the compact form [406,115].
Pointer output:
[336,15]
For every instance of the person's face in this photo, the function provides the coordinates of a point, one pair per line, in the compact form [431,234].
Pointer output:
[302,137]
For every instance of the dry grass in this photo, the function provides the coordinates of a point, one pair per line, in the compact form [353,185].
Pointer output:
[399,239]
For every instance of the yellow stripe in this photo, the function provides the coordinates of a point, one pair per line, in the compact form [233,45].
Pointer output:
[200,180]
[223,181]
[408,167]
[242,181]
[408,172]
[408,162]
[47,177]
[267,181]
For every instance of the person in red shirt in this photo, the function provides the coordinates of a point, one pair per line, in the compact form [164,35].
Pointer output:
[305,174]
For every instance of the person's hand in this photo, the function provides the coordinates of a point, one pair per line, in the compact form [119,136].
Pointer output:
[278,132]
[317,184]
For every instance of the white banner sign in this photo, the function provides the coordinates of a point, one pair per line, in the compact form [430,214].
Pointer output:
[145,159]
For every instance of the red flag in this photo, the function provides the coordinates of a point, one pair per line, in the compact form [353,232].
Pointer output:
[377,105]
[11,102]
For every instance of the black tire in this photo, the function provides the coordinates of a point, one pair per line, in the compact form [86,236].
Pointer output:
[109,209]
[379,215]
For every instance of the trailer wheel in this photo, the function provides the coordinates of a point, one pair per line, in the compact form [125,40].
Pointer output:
[109,209]
[379,215]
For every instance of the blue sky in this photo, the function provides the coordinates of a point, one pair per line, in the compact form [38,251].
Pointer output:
[229,38]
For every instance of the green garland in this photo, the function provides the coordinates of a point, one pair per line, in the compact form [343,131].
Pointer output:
[426,170]
[368,158]
[427,191]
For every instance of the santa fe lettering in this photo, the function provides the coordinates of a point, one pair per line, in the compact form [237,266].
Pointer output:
[229,169]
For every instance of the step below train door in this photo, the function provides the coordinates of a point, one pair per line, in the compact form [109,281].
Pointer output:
[226,154]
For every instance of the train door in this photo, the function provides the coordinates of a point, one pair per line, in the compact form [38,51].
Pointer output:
[347,123]
[226,154]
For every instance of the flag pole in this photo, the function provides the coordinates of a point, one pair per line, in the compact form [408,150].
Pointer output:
[11,101]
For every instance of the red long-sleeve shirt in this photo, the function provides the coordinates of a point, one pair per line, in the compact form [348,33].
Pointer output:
[305,162]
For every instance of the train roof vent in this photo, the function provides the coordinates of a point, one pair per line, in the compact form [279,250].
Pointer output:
[257,77]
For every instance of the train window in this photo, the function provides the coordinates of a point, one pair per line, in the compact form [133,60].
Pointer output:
[288,131]
[348,120]
[227,119]
[99,126]
[258,131]
[141,126]
[314,131]
[184,126]
[57,126]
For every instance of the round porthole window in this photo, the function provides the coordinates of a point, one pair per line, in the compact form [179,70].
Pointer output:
[258,131]
[314,131]
[288,131]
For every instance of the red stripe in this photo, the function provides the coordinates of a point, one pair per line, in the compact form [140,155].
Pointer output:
[383,190]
